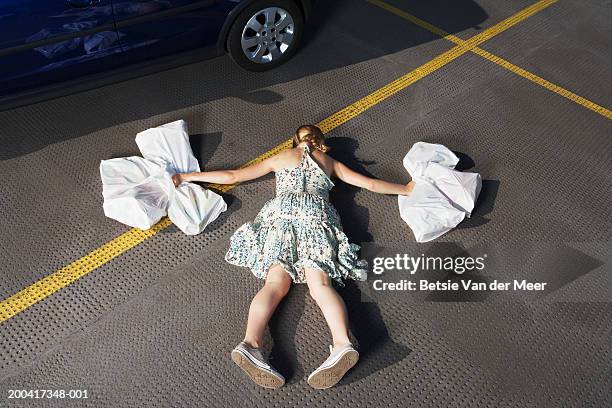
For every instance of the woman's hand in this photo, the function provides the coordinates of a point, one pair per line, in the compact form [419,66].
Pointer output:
[409,188]
[177,179]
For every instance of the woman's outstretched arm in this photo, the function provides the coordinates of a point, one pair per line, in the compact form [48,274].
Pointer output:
[229,176]
[378,186]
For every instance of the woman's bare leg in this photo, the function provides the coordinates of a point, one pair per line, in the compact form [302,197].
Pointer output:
[264,304]
[331,304]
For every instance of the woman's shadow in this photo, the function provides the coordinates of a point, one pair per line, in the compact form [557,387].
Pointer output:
[355,218]
[377,350]
[283,330]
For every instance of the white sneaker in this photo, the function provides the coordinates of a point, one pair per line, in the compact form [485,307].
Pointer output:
[257,368]
[333,369]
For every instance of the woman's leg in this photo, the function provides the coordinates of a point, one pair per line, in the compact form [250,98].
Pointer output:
[331,304]
[265,302]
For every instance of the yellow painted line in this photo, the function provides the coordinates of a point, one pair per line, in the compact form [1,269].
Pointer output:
[498,60]
[283,146]
[69,273]
[124,242]
[546,84]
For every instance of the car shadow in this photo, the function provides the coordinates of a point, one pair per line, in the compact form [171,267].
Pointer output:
[339,34]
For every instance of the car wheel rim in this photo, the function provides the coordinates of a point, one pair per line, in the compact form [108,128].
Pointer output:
[268,35]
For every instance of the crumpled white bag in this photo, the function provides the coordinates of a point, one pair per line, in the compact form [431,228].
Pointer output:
[421,154]
[460,188]
[169,142]
[192,208]
[133,191]
[139,191]
[442,197]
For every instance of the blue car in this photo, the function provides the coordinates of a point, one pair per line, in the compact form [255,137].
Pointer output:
[46,42]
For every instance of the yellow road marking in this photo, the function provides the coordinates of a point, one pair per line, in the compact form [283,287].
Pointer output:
[124,242]
[73,271]
[497,60]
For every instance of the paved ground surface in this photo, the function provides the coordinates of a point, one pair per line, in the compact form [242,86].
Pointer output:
[154,326]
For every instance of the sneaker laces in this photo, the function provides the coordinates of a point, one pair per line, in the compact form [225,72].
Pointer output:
[256,353]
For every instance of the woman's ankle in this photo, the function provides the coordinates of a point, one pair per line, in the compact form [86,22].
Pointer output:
[341,343]
[252,343]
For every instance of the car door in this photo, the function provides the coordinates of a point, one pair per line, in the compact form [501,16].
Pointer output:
[151,28]
[46,41]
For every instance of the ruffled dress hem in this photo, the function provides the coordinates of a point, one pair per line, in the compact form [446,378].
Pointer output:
[258,246]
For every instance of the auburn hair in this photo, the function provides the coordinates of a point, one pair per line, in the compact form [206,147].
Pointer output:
[312,135]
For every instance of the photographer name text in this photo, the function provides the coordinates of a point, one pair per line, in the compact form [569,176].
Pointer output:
[448,285]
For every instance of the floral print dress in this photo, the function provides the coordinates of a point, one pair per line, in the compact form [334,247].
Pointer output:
[298,229]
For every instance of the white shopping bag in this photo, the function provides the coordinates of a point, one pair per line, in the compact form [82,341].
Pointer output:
[169,142]
[139,191]
[133,194]
[192,208]
[427,211]
[421,154]
[442,197]
[460,188]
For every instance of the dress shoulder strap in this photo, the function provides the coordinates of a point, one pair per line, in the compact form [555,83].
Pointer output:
[305,154]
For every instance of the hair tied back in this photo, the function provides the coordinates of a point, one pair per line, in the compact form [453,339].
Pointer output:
[312,135]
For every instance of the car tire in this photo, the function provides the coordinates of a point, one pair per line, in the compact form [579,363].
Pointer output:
[270,46]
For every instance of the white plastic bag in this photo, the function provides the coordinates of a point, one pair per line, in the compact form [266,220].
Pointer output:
[442,197]
[192,208]
[427,212]
[460,188]
[169,142]
[133,194]
[421,154]
[139,191]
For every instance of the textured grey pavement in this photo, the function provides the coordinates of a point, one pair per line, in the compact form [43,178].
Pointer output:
[154,327]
